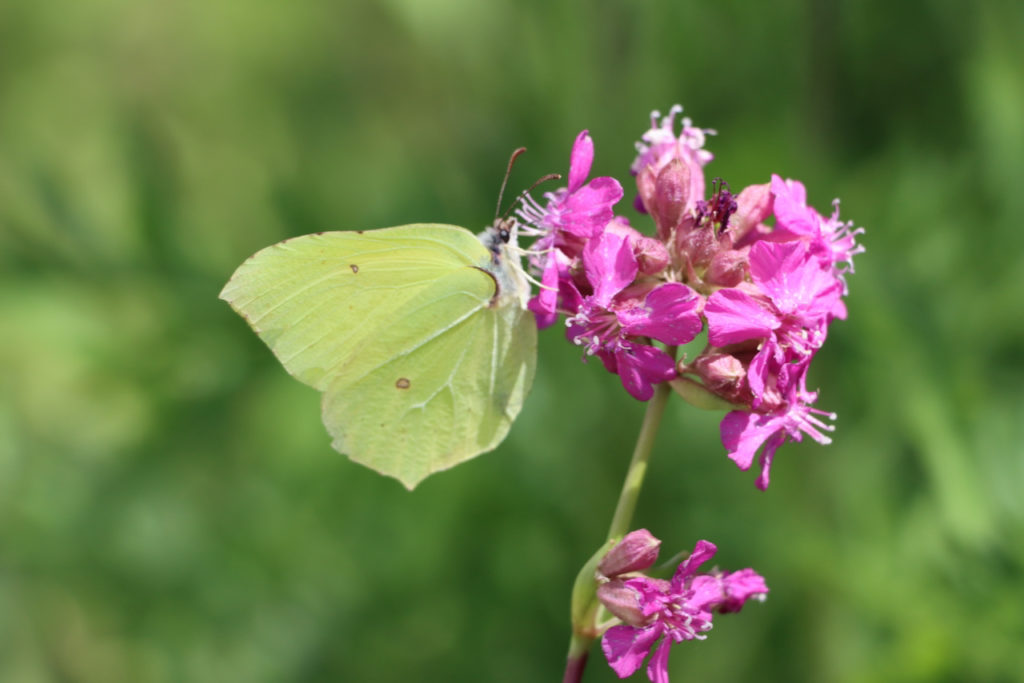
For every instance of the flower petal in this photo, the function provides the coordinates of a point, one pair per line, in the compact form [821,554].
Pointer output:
[657,668]
[580,160]
[797,282]
[743,433]
[626,646]
[735,316]
[739,587]
[545,304]
[792,215]
[702,552]
[641,366]
[672,315]
[589,208]
[609,264]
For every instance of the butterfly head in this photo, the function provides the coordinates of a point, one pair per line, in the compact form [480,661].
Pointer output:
[500,238]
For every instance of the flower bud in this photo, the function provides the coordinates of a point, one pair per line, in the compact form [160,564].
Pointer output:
[728,267]
[622,601]
[722,374]
[698,246]
[651,255]
[637,551]
[670,198]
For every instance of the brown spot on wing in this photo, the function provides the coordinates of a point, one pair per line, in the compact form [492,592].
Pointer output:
[354,267]
[403,383]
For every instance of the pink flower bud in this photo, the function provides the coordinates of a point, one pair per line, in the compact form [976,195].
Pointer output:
[670,198]
[728,267]
[622,601]
[651,255]
[698,247]
[723,375]
[637,551]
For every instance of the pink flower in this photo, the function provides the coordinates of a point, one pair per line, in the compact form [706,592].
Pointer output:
[672,611]
[660,144]
[570,217]
[669,171]
[583,208]
[831,239]
[786,311]
[792,301]
[611,321]
[743,432]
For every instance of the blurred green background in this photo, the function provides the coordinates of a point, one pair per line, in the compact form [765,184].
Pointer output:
[170,508]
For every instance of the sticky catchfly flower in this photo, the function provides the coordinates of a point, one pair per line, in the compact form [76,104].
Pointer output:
[671,611]
[614,319]
[569,217]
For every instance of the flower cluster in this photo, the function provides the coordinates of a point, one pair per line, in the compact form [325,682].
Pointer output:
[761,271]
[673,610]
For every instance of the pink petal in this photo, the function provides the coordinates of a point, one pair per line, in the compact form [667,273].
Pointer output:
[589,208]
[609,264]
[795,280]
[657,668]
[702,552]
[734,316]
[580,160]
[758,372]
[753,206]
[672,315]
[739,587]
[626,646]
[654,593]
[544,305]
[708,591]
[792,216]
[744,432]
[767,456]
[641,366]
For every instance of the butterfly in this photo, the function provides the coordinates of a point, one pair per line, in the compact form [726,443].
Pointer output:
[417,336]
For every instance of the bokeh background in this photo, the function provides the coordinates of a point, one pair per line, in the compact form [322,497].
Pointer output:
[170,508]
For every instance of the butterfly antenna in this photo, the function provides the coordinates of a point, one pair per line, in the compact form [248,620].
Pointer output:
[508,171]
[542,179]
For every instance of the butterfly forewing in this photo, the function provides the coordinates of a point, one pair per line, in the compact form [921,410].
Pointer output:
[398,327]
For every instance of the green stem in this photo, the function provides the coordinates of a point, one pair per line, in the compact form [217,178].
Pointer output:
[585,605]
[623,516]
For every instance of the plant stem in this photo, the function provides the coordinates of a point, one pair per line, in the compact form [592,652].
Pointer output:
[623,516]
[579,648]
[584,634]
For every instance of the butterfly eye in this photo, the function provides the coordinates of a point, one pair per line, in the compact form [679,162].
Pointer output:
[504,235]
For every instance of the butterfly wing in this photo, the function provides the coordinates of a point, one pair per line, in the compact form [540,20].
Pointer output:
[422,366]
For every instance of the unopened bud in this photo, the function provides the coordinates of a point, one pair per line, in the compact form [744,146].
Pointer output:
[622,601]
[671,194]
[728,267]
[698,246]
[651,255]
[637,551]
